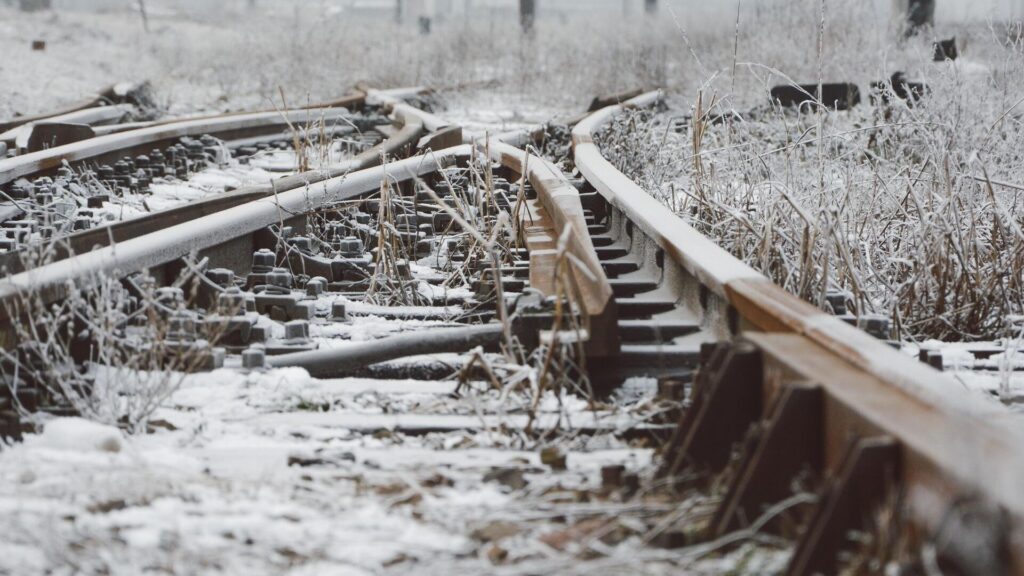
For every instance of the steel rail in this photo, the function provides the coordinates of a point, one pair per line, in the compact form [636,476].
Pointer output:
[759,303]
[557,212]
[399,145]
[948,442]
[112,94]
[353,101]
[93,117]
[224,236]
[112,146]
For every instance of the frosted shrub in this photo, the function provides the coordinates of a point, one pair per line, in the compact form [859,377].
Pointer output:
[913,210]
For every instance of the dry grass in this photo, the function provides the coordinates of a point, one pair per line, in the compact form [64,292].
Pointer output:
[113,351]
[913,212]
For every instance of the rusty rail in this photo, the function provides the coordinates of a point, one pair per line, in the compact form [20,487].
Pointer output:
[111,95]
[142,140]
[874,422]
[19,138]
[398,145]
[557,211]
[227,236]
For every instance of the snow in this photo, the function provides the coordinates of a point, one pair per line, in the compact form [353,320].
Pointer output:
[210,489]
[168,193]
[79,435]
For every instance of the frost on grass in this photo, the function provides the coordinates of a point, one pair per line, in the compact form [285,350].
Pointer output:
[912,210]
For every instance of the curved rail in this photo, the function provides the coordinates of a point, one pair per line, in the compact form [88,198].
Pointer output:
[868,400]
[133,142]
[353,101]
[112,95]
[19,137]
[224,236]
[399,145]
[557,212]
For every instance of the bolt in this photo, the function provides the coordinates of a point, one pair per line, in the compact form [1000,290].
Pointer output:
[301,243]
[336,230]
[612,476]
[263,260]
[338,311]
[170,296]
[254,358]
[222,277]
[296,330]
[877,326]
[181,327]
[351,247]
[554,457]
[259,333]
[441,222]
[231,301]
[194,150]
[402,267]
[21,190]
[630,483]
[316,286]
[837,300]
[280,278]
[671,389]
[407,222]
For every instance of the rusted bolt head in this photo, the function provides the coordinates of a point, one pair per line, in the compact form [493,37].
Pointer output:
[611,476]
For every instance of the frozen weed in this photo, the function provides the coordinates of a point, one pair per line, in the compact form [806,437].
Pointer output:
[912,210]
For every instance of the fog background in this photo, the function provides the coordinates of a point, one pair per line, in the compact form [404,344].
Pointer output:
[688,12]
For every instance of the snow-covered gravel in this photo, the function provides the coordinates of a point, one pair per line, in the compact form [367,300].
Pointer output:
[217,489]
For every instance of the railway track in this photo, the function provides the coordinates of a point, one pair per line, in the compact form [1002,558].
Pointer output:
[796,387]
[565,342]
[91,181]
[90,108]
